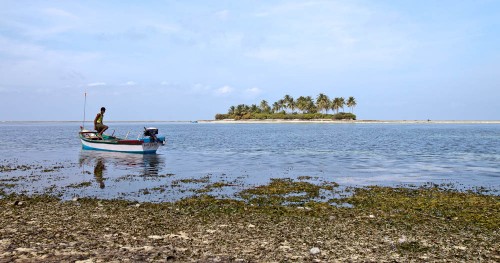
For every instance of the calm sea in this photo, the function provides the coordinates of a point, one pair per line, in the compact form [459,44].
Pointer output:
[47,158]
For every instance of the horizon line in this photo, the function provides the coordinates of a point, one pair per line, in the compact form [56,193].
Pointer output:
[264,120]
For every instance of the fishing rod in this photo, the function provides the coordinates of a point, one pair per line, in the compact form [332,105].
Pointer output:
[84,106]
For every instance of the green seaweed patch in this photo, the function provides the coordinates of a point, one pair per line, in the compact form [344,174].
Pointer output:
[9,168]
[426,204]
[164,175]
[213,186]
[6,185]
[330,186]
[157,189]
[52,169]
[202,180]
[29,199]
[80,185]
[284,191]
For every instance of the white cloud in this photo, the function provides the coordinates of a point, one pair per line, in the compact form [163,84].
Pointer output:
[59,13]
[224,90]
[130,83]
[222,15]
[166,28]
[253,91]
[95,84]
[199,88]
[274,54]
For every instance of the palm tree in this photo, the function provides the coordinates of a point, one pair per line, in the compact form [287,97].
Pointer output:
[264,106]
[301,103]
[282,105]
[231,110]
[276,107]
[337,103]
[351,103]
[323,102]
[254,109]
[341,103]
[310,106]
[288,102]
[292,105]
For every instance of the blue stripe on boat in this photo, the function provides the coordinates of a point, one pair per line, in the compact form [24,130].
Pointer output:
[104,150]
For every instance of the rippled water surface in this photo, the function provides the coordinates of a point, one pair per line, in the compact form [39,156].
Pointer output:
[47,157]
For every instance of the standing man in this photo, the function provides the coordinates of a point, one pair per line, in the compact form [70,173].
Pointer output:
[98,124]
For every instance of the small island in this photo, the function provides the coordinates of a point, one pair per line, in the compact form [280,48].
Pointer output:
[303,108]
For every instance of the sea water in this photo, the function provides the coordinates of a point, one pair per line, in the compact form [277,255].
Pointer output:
[40,158]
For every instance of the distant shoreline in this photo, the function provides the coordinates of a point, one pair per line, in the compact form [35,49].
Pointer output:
[288,121]
[356,121]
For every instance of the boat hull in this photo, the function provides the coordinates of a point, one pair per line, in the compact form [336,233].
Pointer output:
[145,148]
[112,144]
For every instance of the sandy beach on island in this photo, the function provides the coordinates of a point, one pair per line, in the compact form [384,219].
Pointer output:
[354,121]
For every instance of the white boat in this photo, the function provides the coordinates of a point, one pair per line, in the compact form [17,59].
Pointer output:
[148,144]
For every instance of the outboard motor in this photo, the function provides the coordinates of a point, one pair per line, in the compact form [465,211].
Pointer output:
[151,132]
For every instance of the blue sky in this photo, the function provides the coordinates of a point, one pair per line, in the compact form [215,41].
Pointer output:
[188,60]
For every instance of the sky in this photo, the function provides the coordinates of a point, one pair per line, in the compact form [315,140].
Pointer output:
[189,60]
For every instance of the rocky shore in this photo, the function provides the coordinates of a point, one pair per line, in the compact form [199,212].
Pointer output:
[265,225]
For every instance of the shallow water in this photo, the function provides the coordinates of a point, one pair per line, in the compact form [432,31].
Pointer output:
[47,157]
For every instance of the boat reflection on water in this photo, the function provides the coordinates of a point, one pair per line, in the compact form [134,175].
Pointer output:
[104,165]
[99,168]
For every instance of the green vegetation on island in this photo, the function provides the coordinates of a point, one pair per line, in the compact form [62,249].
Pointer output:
[304,108]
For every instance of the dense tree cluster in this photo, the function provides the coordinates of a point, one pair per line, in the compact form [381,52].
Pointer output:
[290,108]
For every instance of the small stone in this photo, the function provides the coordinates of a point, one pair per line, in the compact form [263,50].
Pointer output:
[181,235]
[137,205]
[250,226]
[75,199]
[24,249]
[147,248]
[371,216]
[314,251]
[460,247]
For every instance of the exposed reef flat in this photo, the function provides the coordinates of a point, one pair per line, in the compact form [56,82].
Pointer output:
[265,225]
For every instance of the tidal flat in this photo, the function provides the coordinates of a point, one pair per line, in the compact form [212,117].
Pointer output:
[282,221]
[368,192]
